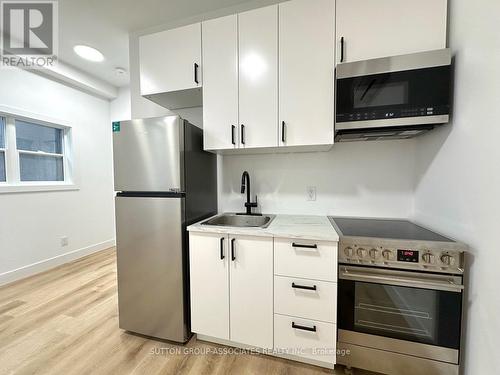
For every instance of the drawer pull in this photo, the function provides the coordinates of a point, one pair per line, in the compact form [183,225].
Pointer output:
[304,328]
[296,286]
[304,246]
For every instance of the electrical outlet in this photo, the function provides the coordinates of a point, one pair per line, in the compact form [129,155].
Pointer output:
[311,193]
[64,241]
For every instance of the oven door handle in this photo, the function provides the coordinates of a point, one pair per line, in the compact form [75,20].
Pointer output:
[448,285]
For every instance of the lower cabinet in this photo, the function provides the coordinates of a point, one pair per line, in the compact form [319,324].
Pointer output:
[266,293]
[209,284]
[302,297]
[305,338]
[232,287]
[305,299]
[251,291]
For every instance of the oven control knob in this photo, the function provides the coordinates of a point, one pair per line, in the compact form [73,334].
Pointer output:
[349,252]
[362,253]
[374,253]
[428,258]
[387,254]
[447,259]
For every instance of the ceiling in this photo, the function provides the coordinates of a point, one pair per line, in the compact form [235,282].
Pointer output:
[105,25]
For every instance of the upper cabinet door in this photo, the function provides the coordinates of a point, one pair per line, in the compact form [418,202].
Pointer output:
[171,60]
[258,77]
[306,55]
[372,29]
[220,83]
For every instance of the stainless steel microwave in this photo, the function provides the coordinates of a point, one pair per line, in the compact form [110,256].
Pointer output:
[393,97]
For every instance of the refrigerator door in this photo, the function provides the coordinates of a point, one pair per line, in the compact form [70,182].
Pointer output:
[151,280]
[147,154]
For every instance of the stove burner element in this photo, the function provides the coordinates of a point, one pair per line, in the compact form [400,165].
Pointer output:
[382,228]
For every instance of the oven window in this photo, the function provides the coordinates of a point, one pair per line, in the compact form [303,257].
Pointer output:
[407,313]
[375,92]
[414,314]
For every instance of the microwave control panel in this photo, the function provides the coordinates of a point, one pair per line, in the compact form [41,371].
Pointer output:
[389,113]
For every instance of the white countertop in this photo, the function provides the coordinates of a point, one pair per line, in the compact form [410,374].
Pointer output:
[286,226]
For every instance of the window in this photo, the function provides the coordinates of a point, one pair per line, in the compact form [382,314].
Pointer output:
[35,154]
[2,150]
[40,152]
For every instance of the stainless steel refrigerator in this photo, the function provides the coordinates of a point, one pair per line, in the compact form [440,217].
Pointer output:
[164,182]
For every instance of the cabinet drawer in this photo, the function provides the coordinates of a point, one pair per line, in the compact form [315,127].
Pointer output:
[305,258]
[318,301]
[317,345]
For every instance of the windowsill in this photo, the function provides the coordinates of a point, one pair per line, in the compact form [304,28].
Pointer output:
[37,187]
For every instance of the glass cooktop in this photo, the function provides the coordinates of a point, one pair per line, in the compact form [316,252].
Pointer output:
[382,228]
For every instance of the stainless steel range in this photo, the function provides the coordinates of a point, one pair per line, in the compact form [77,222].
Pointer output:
[400,297]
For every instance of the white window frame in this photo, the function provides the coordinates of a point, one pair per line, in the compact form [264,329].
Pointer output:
[13,183]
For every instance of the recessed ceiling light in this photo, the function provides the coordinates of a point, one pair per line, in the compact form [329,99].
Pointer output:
[88,53]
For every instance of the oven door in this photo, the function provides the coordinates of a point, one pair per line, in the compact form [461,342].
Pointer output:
[408,97]
[414,313]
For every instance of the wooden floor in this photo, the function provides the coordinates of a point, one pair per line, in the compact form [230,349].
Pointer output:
[65,321]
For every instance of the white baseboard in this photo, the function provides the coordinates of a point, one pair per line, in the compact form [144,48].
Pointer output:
[46,264]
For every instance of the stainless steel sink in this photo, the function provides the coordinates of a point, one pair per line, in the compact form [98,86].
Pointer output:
[242,221]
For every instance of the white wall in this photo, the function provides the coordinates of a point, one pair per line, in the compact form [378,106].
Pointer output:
[458,174]
[120,107]
[31,224]
[362,178]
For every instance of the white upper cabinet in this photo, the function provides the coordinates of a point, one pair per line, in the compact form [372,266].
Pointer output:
[306,72]
[220,83]
[372,29]
[258,77]
[171,60]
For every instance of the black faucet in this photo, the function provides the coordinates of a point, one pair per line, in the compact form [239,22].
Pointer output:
[245,181]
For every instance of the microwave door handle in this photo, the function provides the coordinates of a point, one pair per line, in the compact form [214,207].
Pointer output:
[403,281]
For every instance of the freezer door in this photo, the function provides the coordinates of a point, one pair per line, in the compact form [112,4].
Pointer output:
[151,283]
[147,154]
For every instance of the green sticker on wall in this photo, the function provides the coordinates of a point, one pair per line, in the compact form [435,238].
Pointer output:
[116,126]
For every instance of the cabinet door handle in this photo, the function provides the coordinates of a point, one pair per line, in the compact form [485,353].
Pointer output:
[304,328]
[306,287]
[283,137]
[233,254]
[342,49]
[196,73]
[242,134]
[232,134]
[304,246]
[222,248]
